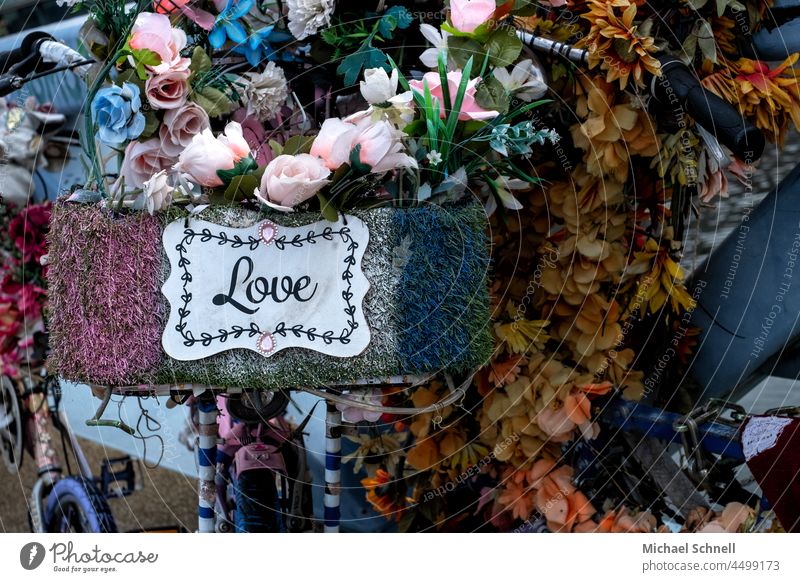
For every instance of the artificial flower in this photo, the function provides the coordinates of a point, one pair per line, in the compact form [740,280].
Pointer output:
[354,413]
[265,92]
[154,32]
[233,138]
[203,157]
[467,15]
[380,146]
[199,16]
[378,87]
[618,45]
[27,231]
[306,17]
[180,126]
[168,90]
[525,80]
[614,130]
[116,114]
[382,449]
[334,142]
[438,40]
[141,161]
[227,25]
[470,110]
[157,192]
[290,180]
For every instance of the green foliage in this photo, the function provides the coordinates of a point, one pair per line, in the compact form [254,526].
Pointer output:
[355,39]
[243,167]
[503,47]
[491,95]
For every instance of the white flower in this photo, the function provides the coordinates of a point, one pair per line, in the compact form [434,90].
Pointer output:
[306,17]
[430,58]
[67,3]
[157,192]
[265,92]
[435,158]
[377,87]
[525,80]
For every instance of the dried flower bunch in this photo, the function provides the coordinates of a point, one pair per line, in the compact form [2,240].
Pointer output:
[324,106]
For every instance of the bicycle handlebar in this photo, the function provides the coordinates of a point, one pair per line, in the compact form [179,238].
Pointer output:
[39,54]
[679,84]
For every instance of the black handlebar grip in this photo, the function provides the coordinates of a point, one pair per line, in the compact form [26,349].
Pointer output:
[24,59]
[678,85]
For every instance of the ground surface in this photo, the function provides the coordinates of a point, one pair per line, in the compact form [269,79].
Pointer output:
[168,498]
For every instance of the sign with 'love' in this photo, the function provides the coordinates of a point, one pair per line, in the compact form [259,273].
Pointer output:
[265,288]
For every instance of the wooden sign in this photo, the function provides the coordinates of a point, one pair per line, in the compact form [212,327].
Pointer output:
[265,288]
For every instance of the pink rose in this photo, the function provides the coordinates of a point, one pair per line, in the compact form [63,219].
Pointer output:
[290,180]
[233,138]
[334,142]
[180,126]
[155,32]
[143,160]
[255,135]
[168,90]
[467,15]
[469,108]
[381,146]
[206,154]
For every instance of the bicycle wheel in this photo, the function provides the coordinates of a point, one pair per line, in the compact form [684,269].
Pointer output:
[10,425]
[256,501]
[75,505]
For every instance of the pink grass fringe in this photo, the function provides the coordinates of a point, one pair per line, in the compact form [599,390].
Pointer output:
[105,312]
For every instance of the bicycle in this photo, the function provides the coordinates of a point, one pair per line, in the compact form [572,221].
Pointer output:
[641,470]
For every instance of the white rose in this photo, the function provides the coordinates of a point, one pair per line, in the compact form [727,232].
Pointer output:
[377,87]
[157,192]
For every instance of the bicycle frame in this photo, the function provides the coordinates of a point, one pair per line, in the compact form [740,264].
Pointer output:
[39,425]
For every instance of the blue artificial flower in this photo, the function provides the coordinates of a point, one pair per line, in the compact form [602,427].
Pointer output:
[116,114]
[257,47]
[227,25]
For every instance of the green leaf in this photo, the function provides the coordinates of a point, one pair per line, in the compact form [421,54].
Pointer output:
[522,7]
[491,95]
[462,49]
[394,18]
[355,161]
[366,57]
[243,167]
[504,47]
[214,101]
[200,61]
[329,211]
[151,124]
[277,149]
[242,188]
[298,144]
[558,71]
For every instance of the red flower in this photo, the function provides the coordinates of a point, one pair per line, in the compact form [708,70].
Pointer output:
[28,230]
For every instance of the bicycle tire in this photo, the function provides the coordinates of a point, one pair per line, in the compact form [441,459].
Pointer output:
[256,499]
[76,505]
[11,433]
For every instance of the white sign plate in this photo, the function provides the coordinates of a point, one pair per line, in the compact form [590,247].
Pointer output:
[265,288]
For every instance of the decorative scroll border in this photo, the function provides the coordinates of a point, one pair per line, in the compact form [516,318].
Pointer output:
[268,231]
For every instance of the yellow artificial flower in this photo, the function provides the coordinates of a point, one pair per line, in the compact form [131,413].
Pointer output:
[618,45]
